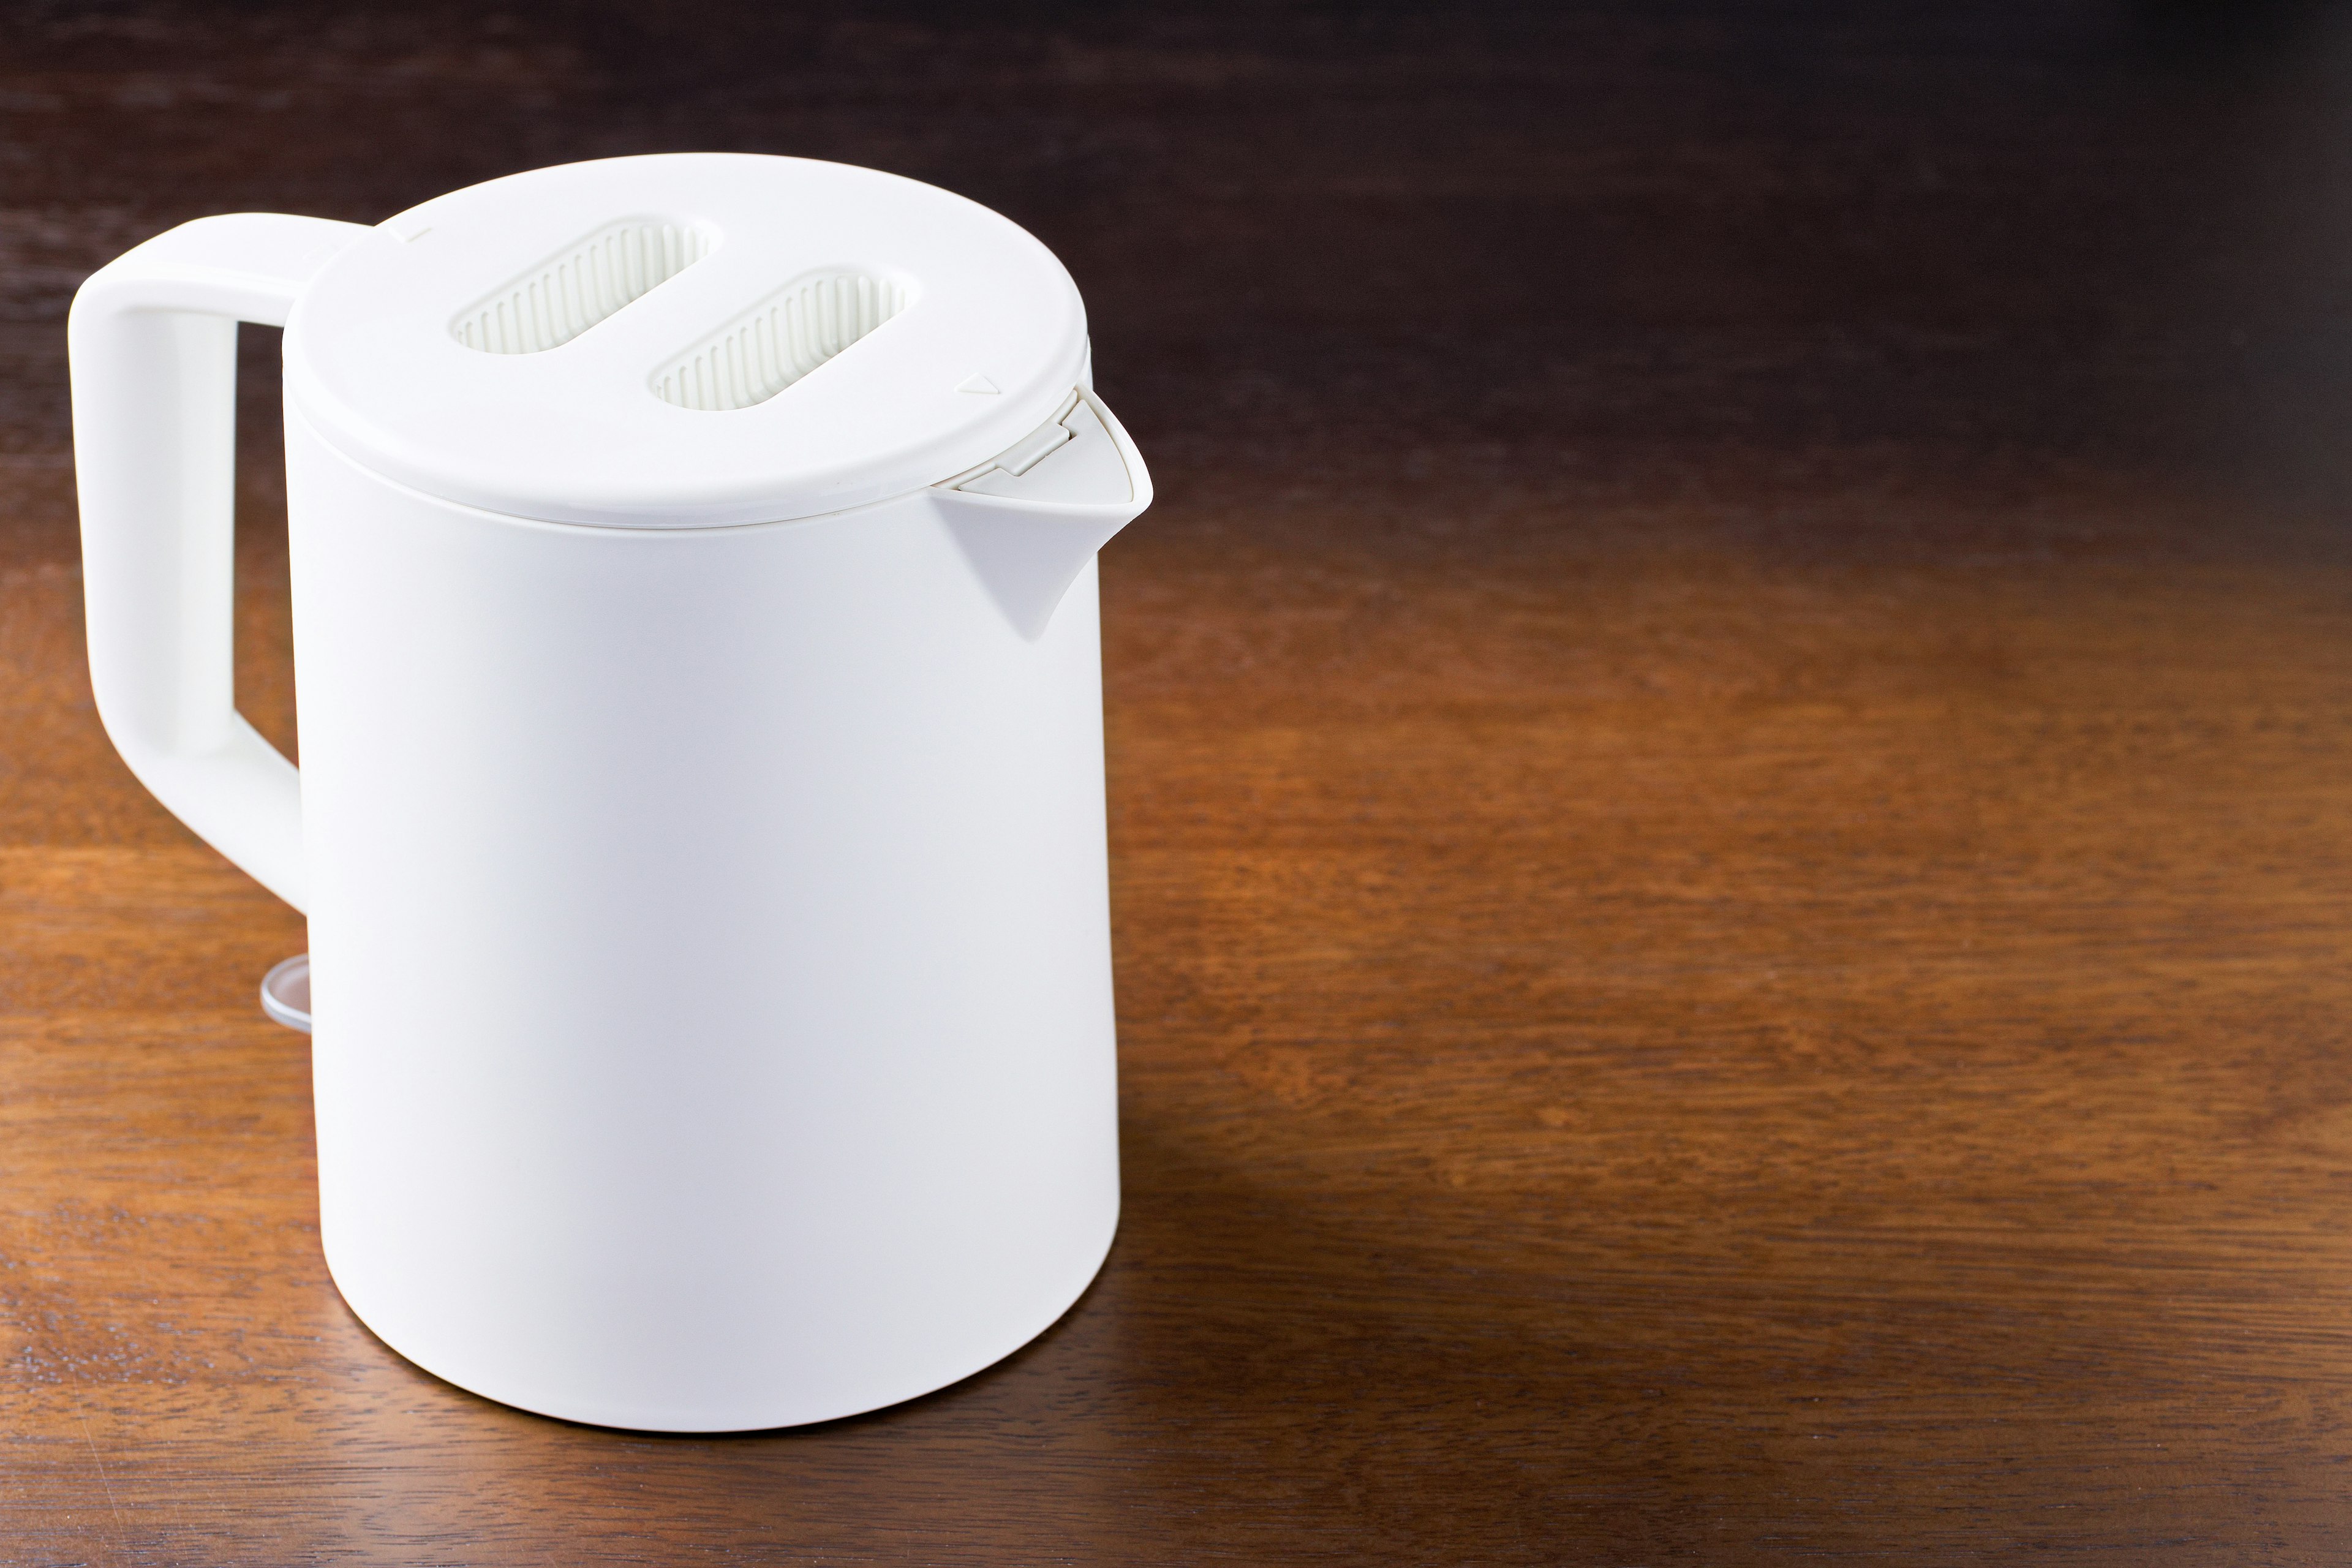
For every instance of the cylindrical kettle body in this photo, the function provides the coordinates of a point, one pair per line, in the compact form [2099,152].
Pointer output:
[700,816]
[710,952]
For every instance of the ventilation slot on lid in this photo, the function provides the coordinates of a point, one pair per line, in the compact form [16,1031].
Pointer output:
[780,340]
[570,292]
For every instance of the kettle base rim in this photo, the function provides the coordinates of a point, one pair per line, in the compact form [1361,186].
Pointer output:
[733,1410]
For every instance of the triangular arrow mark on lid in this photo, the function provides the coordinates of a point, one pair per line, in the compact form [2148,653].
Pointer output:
[981,385]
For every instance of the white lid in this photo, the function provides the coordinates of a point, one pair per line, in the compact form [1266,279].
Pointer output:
[685,340]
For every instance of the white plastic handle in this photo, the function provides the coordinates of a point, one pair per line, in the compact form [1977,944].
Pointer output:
[152,346]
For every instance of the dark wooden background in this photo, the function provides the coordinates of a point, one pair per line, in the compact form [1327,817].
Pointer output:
[1731,794]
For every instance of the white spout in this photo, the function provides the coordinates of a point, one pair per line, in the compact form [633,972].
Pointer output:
[1031,518]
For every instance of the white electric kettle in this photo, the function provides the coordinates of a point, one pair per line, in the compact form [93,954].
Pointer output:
[700,817]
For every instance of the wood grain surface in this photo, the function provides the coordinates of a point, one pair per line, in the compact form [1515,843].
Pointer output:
[1731,778]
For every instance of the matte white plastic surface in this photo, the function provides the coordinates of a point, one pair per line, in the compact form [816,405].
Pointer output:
[605,424]
[710,945]
[709,958]
[153,339]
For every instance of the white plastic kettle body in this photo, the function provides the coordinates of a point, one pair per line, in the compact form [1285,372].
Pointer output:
[710,938]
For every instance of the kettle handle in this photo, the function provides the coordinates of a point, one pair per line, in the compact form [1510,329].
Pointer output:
[152,343]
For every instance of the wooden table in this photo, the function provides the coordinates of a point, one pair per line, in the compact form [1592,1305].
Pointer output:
[1731,797]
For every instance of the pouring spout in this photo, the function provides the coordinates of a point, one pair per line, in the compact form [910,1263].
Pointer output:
[1031,518]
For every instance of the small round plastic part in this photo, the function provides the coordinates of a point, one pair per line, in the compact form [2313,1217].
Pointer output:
[285,992]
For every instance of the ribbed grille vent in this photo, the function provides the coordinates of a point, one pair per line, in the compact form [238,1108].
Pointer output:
[784,338]
[570,292]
